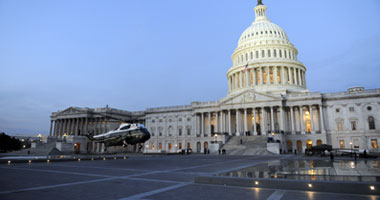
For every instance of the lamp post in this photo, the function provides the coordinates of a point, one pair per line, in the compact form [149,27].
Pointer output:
[216,137]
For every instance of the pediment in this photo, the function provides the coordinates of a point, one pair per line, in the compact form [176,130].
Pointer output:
[250,96]
[70,110]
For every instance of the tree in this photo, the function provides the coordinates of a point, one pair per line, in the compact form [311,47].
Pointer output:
[8,143]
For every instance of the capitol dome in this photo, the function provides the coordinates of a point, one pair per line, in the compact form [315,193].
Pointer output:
[265,60]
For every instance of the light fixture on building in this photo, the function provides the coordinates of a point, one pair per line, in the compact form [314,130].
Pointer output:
[75,145]
[372,187]
[114,158]
[256,182]
[125,157]
[30,161]
[24,146]
[48,161]
[22,140]
[65,134]
[92,158]
[9,162]
[104,158]
[310,185]
[273,134]
[78,159]
[39,135]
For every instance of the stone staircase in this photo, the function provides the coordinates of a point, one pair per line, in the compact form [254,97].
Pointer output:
[252,145]
[41,149]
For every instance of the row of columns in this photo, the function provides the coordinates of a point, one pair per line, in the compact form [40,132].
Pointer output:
[72,126]
[226,122]
[283,75]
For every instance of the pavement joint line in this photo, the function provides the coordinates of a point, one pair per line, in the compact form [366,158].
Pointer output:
[57,185]
[146,194]
[276,195]
[155,180]
[124,169]
[57,171]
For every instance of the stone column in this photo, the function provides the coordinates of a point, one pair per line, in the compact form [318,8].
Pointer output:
[55,127]
[311,118]
[292,119]
[237,122]
[254,78]
[272,119]
[302,122]
[254,121]
[268,75]
[51,126]
[261,76]
[281,119]
[86,125]
[283,75]
[321,118]
[299,78]
[263,117]
[247,79]
[290,76]
[229,123]
[295,76]
[217,121]
[275,81]
[240,79]
[245,121]
[209,123]
[202,125]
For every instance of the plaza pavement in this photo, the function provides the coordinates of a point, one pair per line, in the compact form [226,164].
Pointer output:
[146,177]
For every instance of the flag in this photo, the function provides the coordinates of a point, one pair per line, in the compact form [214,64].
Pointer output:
[245,68]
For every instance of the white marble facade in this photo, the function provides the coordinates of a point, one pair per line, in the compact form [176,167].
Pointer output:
[267,95]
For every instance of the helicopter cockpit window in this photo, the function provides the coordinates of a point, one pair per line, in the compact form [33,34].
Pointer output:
[125,127]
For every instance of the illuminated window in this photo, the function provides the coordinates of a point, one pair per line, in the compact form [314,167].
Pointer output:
[341,144]
[271,75]
[188,145]
[371,123]
[278,76]
[252,83]
[340,126]
[153,146]
[169,146]
[180,145]
[374,144]
[160,146]
[264,76]
[309,143]
[257,76]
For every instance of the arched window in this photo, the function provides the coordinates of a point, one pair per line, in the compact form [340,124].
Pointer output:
[371,123]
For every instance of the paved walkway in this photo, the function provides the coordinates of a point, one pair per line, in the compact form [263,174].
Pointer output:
[141,177]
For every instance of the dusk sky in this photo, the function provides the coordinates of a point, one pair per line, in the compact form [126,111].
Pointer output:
[138,54]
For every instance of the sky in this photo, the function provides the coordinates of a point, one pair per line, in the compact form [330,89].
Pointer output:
[138,54]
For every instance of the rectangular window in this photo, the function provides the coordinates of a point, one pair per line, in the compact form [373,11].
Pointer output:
[251,55]
[180,132]
[257,54]
[257,76]
[180,145]
[188,131]
[271,75]
[279,51]
[160,146]
[374,144]
[278,75]
[262,53]
[268,53]
[353,125]
[274,53]
[356,143]
[341,144]
[251,73]
[352,109]
[340,126]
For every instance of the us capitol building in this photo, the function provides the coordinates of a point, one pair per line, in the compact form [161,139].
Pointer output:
[267,98]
